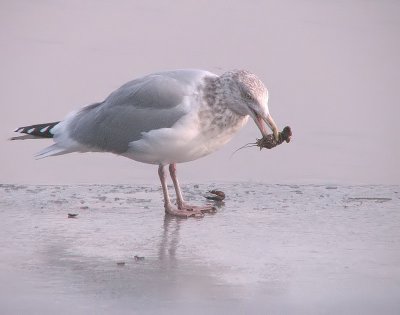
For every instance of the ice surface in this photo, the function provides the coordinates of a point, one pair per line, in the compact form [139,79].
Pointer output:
[273,249]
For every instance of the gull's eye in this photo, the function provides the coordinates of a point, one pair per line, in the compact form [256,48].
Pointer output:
[248,96]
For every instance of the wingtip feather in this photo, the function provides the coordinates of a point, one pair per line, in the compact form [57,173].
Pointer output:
[50,151]
[24,137]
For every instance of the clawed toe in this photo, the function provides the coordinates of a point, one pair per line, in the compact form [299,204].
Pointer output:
[203,209]
[184,213]
[187,211]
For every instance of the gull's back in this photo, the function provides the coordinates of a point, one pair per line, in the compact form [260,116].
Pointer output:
[152,102]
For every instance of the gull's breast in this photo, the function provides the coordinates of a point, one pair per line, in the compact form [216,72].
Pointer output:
[196,135]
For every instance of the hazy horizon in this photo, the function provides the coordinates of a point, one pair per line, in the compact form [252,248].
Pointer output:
[331,68]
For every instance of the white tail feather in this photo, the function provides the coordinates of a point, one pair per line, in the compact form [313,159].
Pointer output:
[52,150]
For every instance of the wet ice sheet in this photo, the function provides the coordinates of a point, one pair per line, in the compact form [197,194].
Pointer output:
[269,248]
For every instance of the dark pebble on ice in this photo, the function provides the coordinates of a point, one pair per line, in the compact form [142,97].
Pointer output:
[72,215]
[138,258]
[330,187]
[121,263]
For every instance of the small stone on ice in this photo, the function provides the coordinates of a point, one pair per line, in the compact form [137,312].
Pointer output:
[137,258]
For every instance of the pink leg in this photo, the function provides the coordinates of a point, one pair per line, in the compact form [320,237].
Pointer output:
[169,208]
[182,205]
[161,173]
[179,198]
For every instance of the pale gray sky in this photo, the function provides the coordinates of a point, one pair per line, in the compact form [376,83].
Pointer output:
[332,69]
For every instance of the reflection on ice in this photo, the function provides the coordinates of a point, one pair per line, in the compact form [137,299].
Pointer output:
[269,248]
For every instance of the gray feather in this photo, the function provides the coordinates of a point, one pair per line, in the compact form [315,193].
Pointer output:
[149,103]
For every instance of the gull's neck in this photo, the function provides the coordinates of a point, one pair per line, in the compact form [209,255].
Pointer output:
[222,91]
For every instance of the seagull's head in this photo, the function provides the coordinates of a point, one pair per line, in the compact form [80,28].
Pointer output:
[252,99]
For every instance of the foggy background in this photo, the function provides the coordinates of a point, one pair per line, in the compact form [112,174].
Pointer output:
[331,68]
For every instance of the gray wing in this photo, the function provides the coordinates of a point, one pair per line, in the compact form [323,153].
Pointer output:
[145,104]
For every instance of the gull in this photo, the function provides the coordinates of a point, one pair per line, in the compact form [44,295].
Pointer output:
[163,118]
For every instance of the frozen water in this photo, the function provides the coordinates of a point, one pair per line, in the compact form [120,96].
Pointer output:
[269,249]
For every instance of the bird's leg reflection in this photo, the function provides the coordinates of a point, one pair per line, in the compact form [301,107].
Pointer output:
[170,239]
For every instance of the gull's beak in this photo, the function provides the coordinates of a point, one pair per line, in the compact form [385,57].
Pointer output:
[271,124]
[259,119]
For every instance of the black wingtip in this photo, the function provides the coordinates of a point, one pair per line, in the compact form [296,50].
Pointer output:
[37,131]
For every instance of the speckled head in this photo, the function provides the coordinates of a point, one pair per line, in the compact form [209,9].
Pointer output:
[250,86]
[249,96]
